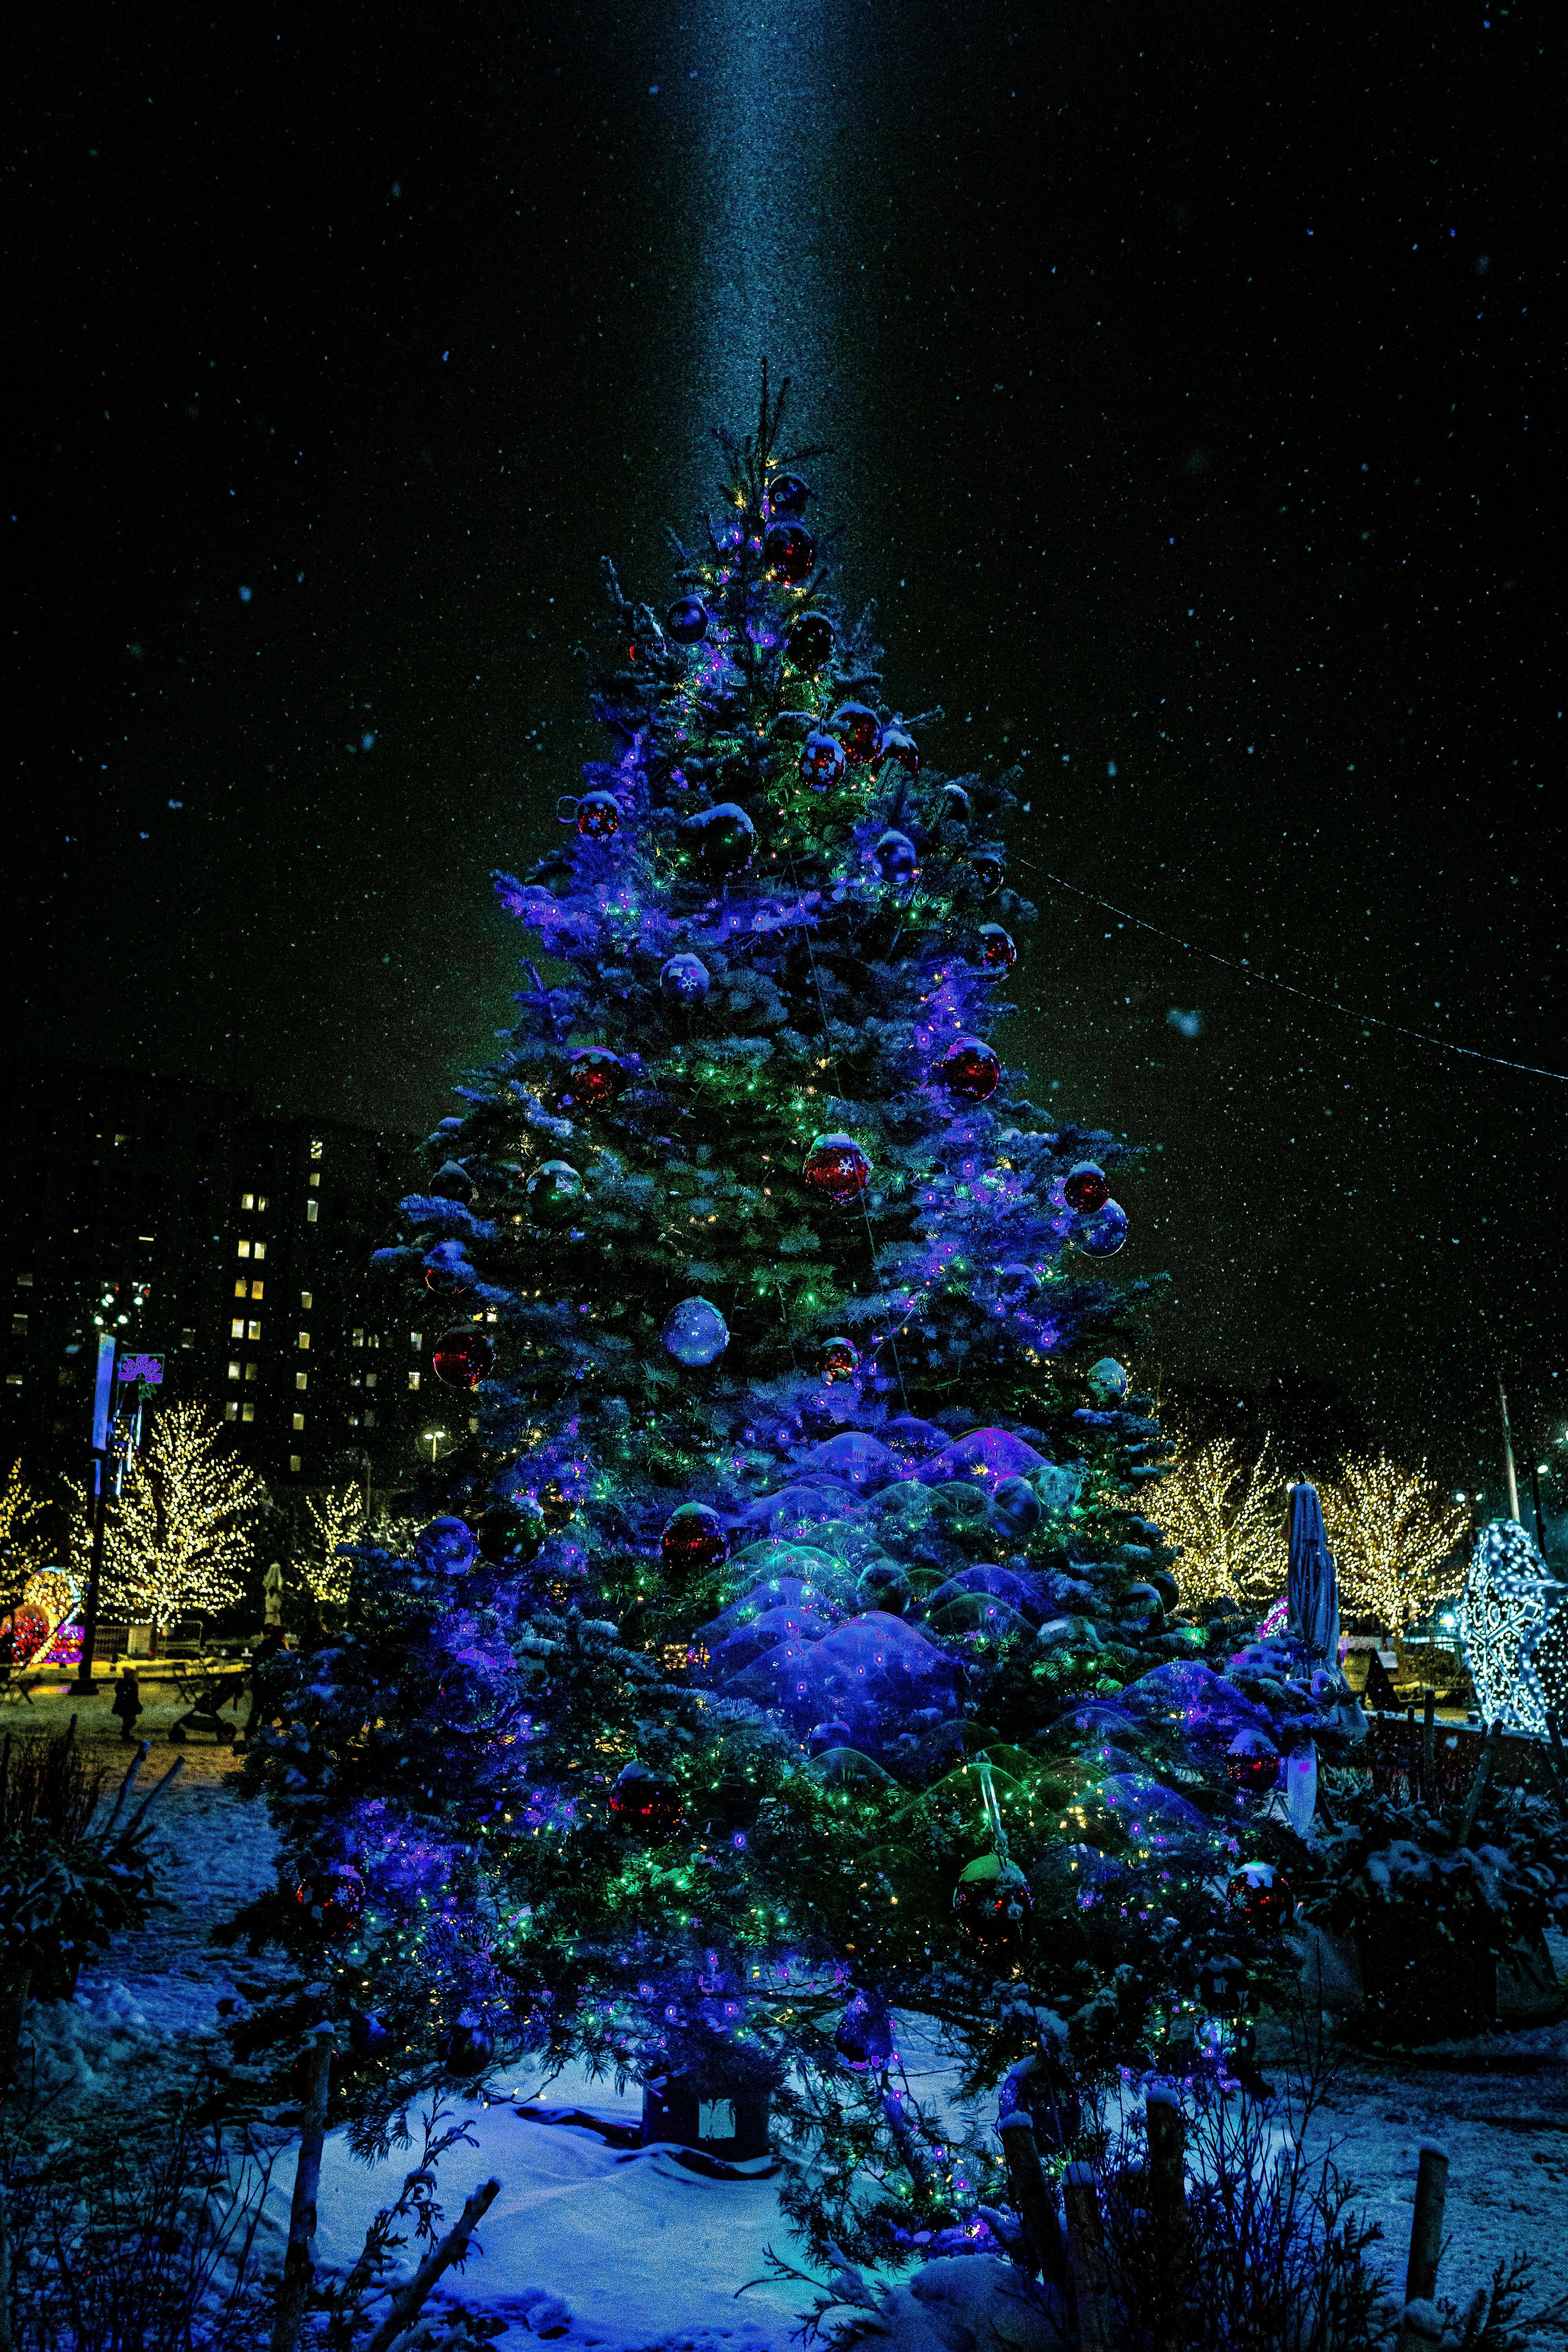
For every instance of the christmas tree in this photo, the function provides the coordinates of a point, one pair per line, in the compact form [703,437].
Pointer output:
[791,1649]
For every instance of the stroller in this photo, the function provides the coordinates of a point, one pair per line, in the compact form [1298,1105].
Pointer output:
[206,1695]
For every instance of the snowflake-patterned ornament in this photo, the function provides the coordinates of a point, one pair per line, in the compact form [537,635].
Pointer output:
[1509,1607]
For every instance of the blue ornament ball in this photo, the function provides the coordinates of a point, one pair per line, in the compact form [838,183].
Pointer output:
[1108,1379]
[1103,1235]
[684,980]
[447,1545]
[896,855]
[695,1332]
[1015,1508]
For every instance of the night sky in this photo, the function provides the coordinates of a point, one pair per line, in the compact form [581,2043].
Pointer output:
[1193,380]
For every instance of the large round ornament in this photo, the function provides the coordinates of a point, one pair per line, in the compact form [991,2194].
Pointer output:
[898,860]
[786,495]
[986,865]
[836,1170]
[555,1193]
[840,1359]
[969,1070]
[467,2047]
[1016,1508]
[452,1181]
[695,1332]
[1252,1762]
[1085,1188]
[723,837]
[332,1893]
[865,2032]
[898,744]
[1104,1234]
[594,1080]
[992,1906]
[883,1585]
[998,953]
[859,730]
[598,816]
[370,2036]
[684,980]
[1262,1895]
[558,1506]
[646,1802]
[462,1356]
[809,643]
[693,1538]
[26,1629]
[686,621]
[444,1280]
[474,1695]
[789,552]
[511,1535]
[1108,1379]
[956,806]
[825,1736]
[446,1547]
[822,760]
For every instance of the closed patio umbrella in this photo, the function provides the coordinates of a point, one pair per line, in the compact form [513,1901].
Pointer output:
[1313,1591]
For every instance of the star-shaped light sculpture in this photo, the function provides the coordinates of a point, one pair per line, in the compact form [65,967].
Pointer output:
[1514,1630]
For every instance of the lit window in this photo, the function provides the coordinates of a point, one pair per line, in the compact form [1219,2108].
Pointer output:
[232,1370]
[253,1330]
[261,1199]
[13,1380]
[248,1412]
[305,1299]
[315,1154]
[356,1338]
[261,1249]
[18,1326]
[370,1379]
[251,1371]
[301,1380]
[413,1380]
[311,1208]
[315,1180]
[245,1249]
[416,1339]
[247,1200]
[237,1328]
[257,1288]
[370,1421]
[231,1411]
[295,1463]
[298,1421]
[304,1339]
[242,1288]
[24,1282]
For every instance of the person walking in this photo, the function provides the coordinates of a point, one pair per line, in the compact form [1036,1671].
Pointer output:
[127,1701]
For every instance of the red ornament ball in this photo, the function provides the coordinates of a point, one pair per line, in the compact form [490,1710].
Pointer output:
[899,745]
[997,952]
[859,730]
[646,1802]
[810,643]
[462,1356]
[1086,1189]
[969,1070]
[836,1170]
[333,1894]
[686,621]
[441,1280]
[693,1537]
[822,760]
[840,1359]
[1262,1895]
[992,1906]
[598,816]
[1252,1762]
[786,495]
[595,1079]
[789,552]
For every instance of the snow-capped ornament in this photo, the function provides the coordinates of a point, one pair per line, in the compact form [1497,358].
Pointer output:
[693,1537]
[969,1070]
[723,837]
[1103,1235]
[884,1586]
[1513,1617]
[684,980]
[898,744]
[864,2036]
[840,1359]
[987,868]
[956,806]
[789,552]
[444,1278]
[858,729]
[897,861]
[462,1356]
[1262,1895]
[555,1192]
[593,1081]
[474,1695]
[333,1893]
[452,1181]
[1085,1188]
[1252,1763]
[998,953]
[446,1547]
[1016,1508]
[695,1333]
[646,1802]
[786,496]
[686,621]
[598,816]
[810,643]
[836,1170]
[1108,1379]
[511,1535]
[822,760]
[467,2047]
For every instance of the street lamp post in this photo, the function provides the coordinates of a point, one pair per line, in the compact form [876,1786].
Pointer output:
[434,1436]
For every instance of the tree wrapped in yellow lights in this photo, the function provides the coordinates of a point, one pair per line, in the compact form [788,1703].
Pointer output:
[1227,1516]
[180,1537]
[22,1550]
[338,1519]
[1391,1531]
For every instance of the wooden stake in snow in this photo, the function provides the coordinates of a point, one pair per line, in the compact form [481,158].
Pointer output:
[1037,2207]
[1426,2247]
[1168,2190]
[1479,1780]
[1085,2252]
[299,2270]
[408,2301]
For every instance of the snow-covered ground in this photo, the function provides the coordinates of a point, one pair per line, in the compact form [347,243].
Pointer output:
[592,2244]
